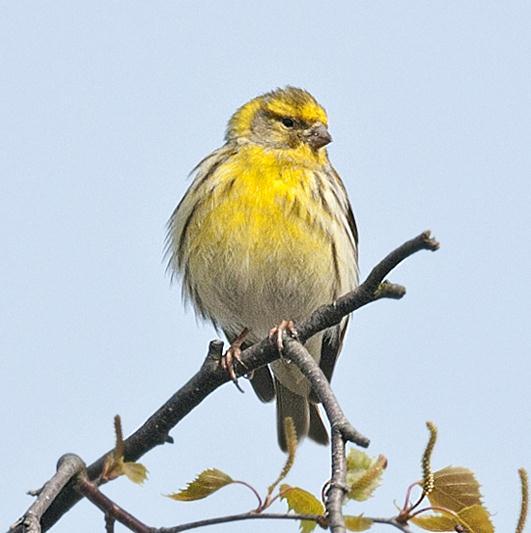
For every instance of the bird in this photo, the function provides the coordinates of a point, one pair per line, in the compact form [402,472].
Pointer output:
[265,233]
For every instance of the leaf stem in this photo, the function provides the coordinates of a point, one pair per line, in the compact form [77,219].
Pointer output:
[252,489]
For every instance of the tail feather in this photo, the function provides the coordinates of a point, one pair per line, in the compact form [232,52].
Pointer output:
[304,414]
[317,431]
[262,383]
[291,405]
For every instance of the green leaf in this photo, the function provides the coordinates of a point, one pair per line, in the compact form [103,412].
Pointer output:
[302,502]
[435,522]
[475,519]
[454,488]
[364,474]
[115,466]
[205,484]
[135,472]
[357,523]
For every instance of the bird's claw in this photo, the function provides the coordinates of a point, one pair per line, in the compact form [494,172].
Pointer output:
[276,333]
[232,355]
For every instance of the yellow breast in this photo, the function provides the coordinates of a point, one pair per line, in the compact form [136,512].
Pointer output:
[259,244]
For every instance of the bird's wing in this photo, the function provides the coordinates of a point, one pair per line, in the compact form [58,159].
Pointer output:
[262,383]
[333,338]
[351,221]
[330,347]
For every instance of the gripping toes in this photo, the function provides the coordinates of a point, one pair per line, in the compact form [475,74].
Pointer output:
[276,333]
[233,355]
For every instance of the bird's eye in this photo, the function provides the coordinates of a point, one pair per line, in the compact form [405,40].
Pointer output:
[288,122]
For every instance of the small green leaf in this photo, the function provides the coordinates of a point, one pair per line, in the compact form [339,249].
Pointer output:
[135,472]
[357,523]
[363,474]
[205,484]
[115,466]
[302,502]
[435,522]
[475,519]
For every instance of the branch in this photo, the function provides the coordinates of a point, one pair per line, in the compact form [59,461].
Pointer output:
[71,468]
[296,352]
[251,515]
[113,511]
[271,516]
[392,522]
[109,508]
[155,430]
[338,487]
[68,466]
[341,429]
[372,289]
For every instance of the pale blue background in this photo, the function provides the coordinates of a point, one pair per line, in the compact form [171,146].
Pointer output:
[106,106]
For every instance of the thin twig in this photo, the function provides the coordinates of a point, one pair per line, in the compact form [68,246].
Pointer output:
[372,289]
[110,508]
[341,429]
[239,517]
[68,466]
[252,489]
[72,468]
[392,522]
[271,516]
[298,354]
[155,430]
[337,487]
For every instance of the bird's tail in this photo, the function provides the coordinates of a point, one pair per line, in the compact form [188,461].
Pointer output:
[305,416]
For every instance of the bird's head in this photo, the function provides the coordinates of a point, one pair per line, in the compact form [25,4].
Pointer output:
[285,119]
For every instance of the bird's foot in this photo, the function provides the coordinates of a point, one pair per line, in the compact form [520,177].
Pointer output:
[233,356]
[276,333]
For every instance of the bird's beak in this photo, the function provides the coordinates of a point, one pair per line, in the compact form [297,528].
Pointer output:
[318,136]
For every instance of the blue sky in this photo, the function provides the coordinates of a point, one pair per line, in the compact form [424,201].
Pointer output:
[105,108]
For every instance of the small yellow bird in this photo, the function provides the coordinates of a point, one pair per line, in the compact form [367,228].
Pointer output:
[266,233]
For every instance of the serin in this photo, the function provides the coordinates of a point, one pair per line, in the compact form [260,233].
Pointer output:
[266,233]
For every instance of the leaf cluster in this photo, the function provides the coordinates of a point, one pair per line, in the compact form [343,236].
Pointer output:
[450,499]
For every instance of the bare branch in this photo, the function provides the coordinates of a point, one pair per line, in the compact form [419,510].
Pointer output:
[113,512]
[68,466]
[71,468]
[296,352]
[109,508]
[341,429]
[337,487]
[252,515]
[155,430]
[372,289]
[392,522]
[109,523]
